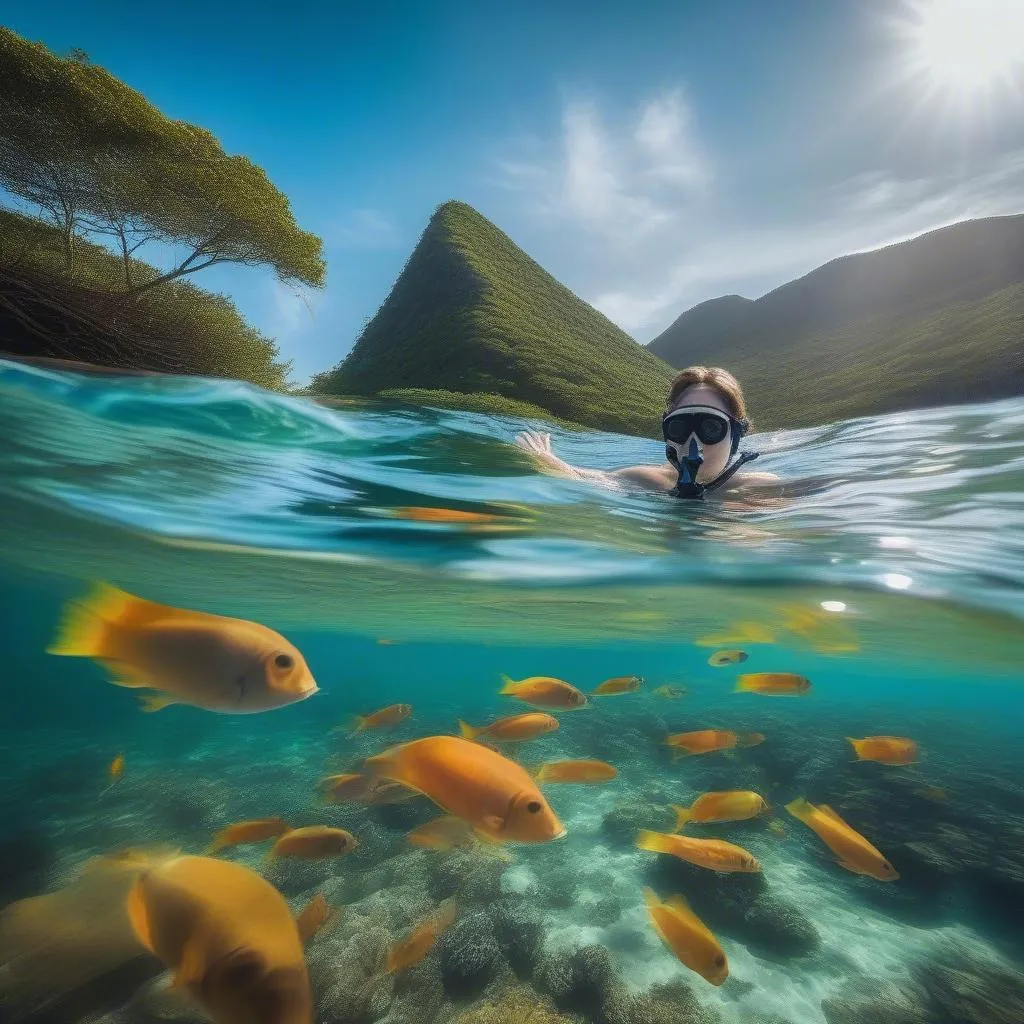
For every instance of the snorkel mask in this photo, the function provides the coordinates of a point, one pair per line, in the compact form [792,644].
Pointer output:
[689,427]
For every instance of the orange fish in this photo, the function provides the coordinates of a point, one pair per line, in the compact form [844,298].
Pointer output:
[248,832]
[425,514]
[715,854]
[732,805]
[385,718]
[544,692]
[575,771]
[707,741]
[314,842]
[855,853]
[475,783]
[383,792]
[341,788]
[444,833]
[228,936]
[669,692]
[773,684]
[620,684]
[885,749]
[687,936]
[116,769]
[317,916]
[512,729]
[722,658]
[417,944]
[206,661]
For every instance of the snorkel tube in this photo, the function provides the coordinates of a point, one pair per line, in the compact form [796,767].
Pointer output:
[688,461]
[688,466]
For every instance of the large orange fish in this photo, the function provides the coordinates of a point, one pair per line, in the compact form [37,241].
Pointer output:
[575,771]
[228,936]
[314,842]
[512,728]
[855,853]
[708,741]
[544,692]
[885,749]
[715,854]
[731,805]
[773,684]
[444,833]
[620,684]
[243,832]
[687,936]
[385,718]
[475,783]
[206,661]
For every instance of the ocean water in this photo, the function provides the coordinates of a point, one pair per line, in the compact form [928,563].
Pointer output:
[891,575]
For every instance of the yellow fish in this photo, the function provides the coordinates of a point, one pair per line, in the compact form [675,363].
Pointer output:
[855,853]
[206,661]
[620,684]
[708,741]
[385,718]
[715,854]
[896,750]
[317,916]
[732,805]
[687,936]
[544,692]
[512,728]
[722,658]
[248,832]
[576,771]
[417,944]
[773,684]
[314,842]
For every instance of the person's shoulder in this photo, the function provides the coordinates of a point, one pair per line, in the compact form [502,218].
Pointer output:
[756,478]
[657,477]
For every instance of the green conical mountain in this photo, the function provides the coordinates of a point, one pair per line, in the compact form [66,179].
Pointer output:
[472,315]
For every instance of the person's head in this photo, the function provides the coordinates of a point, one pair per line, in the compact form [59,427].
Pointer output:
[714,388]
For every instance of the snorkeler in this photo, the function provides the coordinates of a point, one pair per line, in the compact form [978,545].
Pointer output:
[703,425]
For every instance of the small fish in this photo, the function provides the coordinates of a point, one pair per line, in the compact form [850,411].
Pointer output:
[385,642]
[339,789]
[417,944]
[732,805]
[425,514]
[620,684]
[935,793]
[575,771]
[715,854]
[475,783]
[687,937]
[544,692]
[228,937]
[314,842]
[776,827]
[444,833]
[511,729]
[773,684]
[248,832]
[116,769]
[669,692]
[385,718]
[317,916]
[206,661]
[855,853]
[738,633]
[896,750]
[722,658]
[708,741]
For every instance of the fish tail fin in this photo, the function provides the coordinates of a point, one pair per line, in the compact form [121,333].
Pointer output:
[467,731]
[749,739]
[508,685]
[651,898]
[855,744]
[537,772]
[138,917]
[354,725]
[683,815]
[742,685]
[655,842]
[678,752]
[150,702]
[800,808]
[88,624]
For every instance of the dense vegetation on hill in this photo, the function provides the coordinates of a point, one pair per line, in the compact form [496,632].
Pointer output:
[938,319]
[89,169]
[472,315]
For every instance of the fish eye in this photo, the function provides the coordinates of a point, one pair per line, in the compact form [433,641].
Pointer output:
[284,661]
[719,960]
[533,806]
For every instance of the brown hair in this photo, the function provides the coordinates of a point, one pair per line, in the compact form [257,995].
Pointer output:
[714,377]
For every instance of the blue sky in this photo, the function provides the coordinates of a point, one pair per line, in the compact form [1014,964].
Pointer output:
[649,155]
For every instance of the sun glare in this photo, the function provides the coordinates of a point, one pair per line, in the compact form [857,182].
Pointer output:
[964,46]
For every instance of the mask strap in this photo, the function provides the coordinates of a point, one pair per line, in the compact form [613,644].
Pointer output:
[729,470]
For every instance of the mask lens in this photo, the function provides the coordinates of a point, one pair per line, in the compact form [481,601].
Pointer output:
[712,429]
[678,429]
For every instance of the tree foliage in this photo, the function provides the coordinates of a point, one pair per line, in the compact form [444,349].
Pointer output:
[96,158]
[472,314]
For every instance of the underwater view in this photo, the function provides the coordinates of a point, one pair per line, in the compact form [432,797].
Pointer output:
[516,748]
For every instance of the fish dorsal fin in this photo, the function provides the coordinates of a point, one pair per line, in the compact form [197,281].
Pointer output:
[191,967]
[138,916]
[830,812]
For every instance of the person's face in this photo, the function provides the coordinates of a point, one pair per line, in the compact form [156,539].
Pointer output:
[716,456]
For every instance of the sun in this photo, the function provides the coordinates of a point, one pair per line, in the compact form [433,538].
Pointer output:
[964,47]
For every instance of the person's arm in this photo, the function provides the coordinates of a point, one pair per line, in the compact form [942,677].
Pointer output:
[539,446]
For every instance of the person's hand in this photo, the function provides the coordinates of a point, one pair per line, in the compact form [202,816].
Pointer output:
[536,443]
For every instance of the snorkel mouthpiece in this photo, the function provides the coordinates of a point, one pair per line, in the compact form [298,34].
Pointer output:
[688,466]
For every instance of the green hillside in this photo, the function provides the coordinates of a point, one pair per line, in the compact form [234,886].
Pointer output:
[935,320]
[472,315]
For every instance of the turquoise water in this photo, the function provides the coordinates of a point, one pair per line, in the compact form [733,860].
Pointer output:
[890,575]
